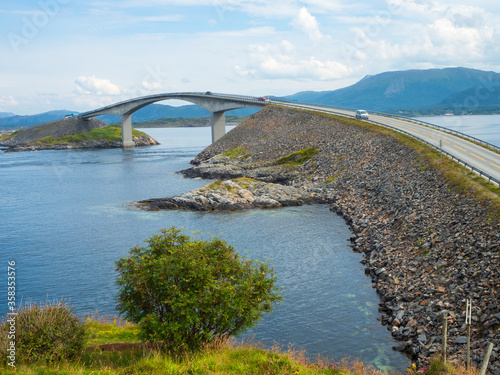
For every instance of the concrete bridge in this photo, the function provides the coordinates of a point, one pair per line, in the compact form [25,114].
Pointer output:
[217,104]
[482,157]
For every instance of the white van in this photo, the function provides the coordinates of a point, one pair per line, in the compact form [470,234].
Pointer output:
[361,114]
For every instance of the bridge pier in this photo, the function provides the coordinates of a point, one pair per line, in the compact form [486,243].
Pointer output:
[127,130]
[218,125]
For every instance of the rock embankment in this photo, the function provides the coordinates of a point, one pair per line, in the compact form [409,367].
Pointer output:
[428,246]
[237,194]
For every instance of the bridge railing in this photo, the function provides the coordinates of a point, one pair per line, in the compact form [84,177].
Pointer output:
[453,157]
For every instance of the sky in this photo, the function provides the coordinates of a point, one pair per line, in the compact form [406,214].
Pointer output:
[80,55]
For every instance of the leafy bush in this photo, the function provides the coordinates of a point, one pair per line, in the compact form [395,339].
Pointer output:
[47,332]
[189,293]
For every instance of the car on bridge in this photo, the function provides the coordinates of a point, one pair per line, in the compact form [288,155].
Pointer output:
[263,99]
[208,93]
[361,114]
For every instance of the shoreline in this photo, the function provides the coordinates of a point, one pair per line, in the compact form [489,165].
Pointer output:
[427,247]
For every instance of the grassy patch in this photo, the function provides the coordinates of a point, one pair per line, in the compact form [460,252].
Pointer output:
[244,182]
[109,331]
[215,185]
[299,157]
[4,137]
[221,185]
[109,133]
[331,178]
[229,358]
[235,152]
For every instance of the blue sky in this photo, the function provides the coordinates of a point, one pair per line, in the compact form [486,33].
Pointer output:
[80,55]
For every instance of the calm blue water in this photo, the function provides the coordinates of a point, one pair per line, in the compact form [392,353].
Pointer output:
[65,223]
[484,127]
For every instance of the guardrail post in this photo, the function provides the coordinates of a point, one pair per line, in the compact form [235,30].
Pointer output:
[486,358]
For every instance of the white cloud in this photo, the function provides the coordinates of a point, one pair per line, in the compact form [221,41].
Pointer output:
[422,33]
[308,24]
[89,102]
[8,101]
[96,86]
[276,62]
[167,18]
[152,85]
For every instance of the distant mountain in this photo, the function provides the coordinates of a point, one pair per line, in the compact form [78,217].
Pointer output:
[31,120]
[148,113]
[478,96]
[6,114]
[410,89]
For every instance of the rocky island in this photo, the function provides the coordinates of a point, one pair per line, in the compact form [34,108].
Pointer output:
[430,240]
[70,133]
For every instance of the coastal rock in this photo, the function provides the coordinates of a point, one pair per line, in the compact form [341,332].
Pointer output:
[236,194]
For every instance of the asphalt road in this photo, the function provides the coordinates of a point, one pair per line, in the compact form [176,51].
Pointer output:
[478,156]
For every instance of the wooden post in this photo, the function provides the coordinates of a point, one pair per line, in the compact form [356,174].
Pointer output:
[441,148]
[445,331]
[468,320]
[486,358]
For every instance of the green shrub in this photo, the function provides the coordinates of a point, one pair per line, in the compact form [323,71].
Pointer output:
[45,332]
[189,292]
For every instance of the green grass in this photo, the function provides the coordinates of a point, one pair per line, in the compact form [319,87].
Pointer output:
[331,178]
[109,332]
[4,137]
[229,358]
[299,157]
[235,152]
[109,133]
[243,182]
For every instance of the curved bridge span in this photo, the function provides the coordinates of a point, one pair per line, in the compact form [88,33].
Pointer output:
[217,104]
[481,157]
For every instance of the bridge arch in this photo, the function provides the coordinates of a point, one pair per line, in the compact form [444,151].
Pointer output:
[217,104]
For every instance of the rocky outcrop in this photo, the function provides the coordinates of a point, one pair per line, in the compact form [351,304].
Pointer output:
[32,139]
[428,246]
[144,140]
[55,129]
[237,194]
